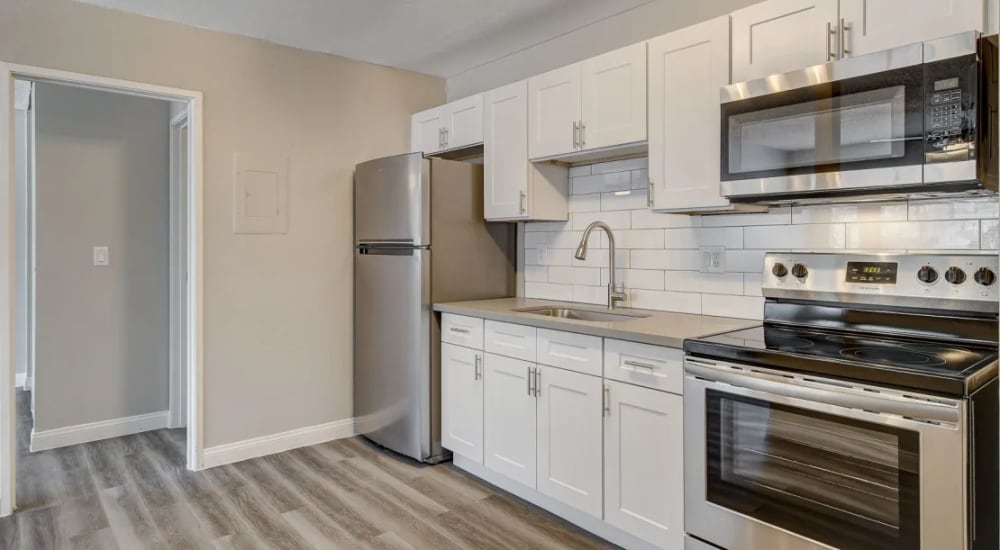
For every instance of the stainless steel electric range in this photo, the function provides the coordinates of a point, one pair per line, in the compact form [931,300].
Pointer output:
[861,415]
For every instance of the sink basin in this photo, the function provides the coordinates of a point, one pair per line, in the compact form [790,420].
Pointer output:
[578,314]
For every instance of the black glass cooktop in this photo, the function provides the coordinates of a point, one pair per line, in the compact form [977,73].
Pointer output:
[943,367]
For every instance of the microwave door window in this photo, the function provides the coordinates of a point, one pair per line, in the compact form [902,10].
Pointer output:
[840,130]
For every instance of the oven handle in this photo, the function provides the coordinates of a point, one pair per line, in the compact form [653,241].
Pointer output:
[833,395]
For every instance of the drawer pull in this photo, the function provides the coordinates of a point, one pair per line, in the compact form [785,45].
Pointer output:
[639,365]
[459,330]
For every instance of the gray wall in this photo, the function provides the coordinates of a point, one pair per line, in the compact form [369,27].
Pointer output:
[277,308]
[102,178]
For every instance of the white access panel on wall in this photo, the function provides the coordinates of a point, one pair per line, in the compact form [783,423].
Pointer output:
[260,193]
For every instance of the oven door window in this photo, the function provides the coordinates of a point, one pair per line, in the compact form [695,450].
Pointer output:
[874,121]
[841,482]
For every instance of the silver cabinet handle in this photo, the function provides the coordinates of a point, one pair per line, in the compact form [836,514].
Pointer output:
[477,373]
[583,135]
[844,27]
[649,195]
[538,380]
[576,134]
[522,199]
[446,136]
[607,400]
[639,365]
[459,330]
[830,33]
[529,378]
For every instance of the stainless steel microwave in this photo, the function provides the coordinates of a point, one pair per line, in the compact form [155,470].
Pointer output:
[915,121]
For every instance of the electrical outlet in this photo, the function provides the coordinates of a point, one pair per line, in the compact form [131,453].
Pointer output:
[542,255]
[713,259]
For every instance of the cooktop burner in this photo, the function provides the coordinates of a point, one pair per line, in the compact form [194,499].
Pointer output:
[941,367]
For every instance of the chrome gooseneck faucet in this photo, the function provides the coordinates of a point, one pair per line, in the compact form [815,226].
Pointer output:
[615,294]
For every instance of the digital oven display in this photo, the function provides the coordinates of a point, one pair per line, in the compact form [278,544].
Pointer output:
[880,273]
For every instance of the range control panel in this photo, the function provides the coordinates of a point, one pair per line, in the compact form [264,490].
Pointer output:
[939,281]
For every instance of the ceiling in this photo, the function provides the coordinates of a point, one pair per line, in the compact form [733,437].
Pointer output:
[439,37]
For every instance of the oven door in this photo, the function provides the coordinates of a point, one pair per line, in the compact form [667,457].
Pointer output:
[855,125]
[795,462]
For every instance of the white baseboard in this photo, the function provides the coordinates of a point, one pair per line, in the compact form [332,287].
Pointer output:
[94,431]
[278,443]
[581,519]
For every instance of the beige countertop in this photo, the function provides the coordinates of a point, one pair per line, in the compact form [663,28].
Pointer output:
[661,328]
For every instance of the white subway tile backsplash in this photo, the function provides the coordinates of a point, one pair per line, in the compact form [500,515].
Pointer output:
[806,237]
[957,235]
[640,163]
[729,237]
[776,216]
[954,209]
[864,212]
[658,260]
[601,183]
[744,307]
[585,203]
[624,200]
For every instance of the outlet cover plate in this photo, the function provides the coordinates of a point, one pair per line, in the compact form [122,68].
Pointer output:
[713,259]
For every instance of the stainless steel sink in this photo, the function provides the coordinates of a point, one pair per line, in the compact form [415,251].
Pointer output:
[579,314]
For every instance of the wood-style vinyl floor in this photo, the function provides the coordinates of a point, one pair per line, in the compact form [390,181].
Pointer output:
[133,492]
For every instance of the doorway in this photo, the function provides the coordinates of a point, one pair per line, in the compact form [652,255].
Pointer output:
[184,281]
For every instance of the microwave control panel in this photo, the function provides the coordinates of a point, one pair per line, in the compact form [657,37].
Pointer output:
[950,109]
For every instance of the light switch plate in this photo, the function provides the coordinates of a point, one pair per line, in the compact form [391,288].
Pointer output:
[713,259]
[542,255]
[101,258]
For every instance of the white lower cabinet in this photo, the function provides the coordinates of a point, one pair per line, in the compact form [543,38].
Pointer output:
[643,464]
[462,403]
[509,418]
[569,438]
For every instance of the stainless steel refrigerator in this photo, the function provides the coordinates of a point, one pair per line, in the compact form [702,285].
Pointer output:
[420,238]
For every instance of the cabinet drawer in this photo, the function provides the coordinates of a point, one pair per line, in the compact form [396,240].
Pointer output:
[517,341]
[644,365]
[568,350]
[461,330]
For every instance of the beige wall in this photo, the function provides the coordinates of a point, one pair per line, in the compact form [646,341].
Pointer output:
[102,180]
[277,307]
[642,23]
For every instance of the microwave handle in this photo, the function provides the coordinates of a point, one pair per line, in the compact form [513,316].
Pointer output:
[835,395]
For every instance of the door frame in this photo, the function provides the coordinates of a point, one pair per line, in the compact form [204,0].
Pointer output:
[194,255]
[180,127]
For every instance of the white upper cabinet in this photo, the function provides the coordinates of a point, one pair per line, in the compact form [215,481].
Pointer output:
[595,104]
[452,126]
[509,418]
[644,464]
[873,25]
[462,401]
[516,189]
[427,131]
[554,108]
[570,445]
[614,98]
[778,36]
[686,70]
[463,122]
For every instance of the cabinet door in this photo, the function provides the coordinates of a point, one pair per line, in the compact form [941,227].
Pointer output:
[462,401]
[569,438]
[426,134]
[643,464]
[510,419]
[463,122]
[505,150]
[778,36]
[614,98]
[686,70]
[553,110]
[874,25]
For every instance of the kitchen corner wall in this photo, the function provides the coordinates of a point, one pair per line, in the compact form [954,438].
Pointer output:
[658,259]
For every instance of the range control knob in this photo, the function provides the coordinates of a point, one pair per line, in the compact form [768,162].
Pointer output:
[985,276]
[800,271]
[927,274]
[779,270]
[954,275]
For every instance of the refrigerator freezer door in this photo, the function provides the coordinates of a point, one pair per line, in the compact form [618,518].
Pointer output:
[392,200]
[392,355]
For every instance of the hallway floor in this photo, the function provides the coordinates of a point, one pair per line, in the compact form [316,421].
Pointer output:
[133,492]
